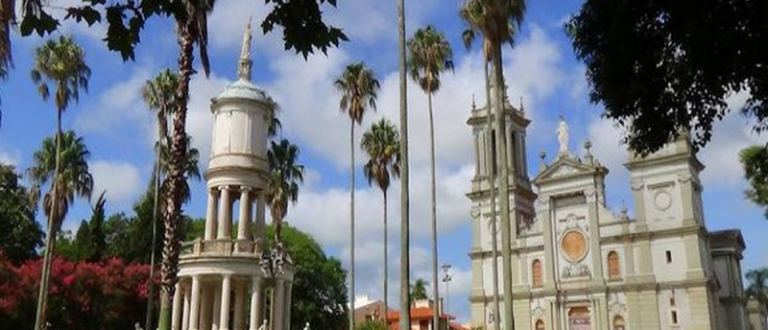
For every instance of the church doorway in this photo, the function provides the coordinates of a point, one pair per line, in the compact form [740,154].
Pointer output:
[618,323]
[579,319]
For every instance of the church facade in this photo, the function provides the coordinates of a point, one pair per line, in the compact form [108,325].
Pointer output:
[578,265]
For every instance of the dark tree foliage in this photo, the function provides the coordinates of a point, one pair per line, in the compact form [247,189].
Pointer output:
[20,234]
[301,20]
[660,66]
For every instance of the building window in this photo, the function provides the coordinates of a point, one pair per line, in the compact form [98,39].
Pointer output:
[536,270]
[614,270]
[618,323]
[669,256]
[494,158]
[539,325]
[673,317]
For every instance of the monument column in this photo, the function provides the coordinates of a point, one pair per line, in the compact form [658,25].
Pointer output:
[210,219]
[226,286]
[176,307]
[185,315]
[260,222]
[245,211]
[287,309]
[225,216]
[195,309]
[255,316]
[279,301]
[239,307]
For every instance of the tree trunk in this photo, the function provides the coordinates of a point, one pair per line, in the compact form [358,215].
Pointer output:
[151,296]
[405,315]
[386,260]
[501,146]
[492,196]
[435,293]
[352,225]
[171,244]
[51,231]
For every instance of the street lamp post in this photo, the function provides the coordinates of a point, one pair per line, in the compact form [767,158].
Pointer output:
[446,280]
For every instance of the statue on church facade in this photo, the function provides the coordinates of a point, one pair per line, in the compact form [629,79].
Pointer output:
[562,136]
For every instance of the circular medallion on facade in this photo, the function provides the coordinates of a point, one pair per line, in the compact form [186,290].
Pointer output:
[574,245]
[662,200]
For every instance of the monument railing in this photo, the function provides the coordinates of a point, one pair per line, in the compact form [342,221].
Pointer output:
[220,247]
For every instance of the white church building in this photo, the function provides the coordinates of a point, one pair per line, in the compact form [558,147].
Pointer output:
[578,265]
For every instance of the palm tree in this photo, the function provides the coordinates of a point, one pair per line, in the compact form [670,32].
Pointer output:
[405,312]
[469,12]
[160,96]
[285,174]
[358,87]
[192,29]
[498,20]
[382,144]
[72,180]
[62,64]
[430,55]
[758,286]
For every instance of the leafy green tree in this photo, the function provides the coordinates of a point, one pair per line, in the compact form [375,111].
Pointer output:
[758,285]
[430,55]
[382,144]
[372,325]
[419,290]
[285,174]
[97,242]
[319,293]
[21,235]
[498,21]
[754,160]
[660,67]
[358,87]
[63,162]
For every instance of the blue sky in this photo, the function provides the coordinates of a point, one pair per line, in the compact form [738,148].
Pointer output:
[119,131]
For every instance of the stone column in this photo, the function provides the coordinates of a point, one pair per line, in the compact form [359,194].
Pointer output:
[225,216]
[185,316]
[215,306]
[279,301]
[255,317]
[194,313]
[245,212]
[226,286]
[260,222]
[210,219]
[176,307]
[287,309]
[239,307]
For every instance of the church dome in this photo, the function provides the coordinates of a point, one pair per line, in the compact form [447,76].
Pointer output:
[243,89]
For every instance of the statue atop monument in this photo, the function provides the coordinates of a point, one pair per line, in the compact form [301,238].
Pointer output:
[562,136]
[245,63]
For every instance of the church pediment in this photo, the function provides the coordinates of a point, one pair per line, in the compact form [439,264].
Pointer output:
[565,167]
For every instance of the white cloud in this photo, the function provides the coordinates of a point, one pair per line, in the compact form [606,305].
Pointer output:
[121,180]
[10,157]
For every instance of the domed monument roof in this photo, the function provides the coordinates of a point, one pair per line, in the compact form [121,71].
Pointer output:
[243,88]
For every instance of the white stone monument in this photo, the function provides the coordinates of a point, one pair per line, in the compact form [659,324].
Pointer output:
[220,272]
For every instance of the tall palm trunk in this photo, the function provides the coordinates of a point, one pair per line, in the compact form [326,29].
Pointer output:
[352,226]
[435,293]
[171,245]
[492,197]
[501,146]
[51,231]
[405,315]
[386,261]
[148,322]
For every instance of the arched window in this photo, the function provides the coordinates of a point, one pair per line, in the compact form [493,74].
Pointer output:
[618,323]
[539,325]
[614,270]
[536,270]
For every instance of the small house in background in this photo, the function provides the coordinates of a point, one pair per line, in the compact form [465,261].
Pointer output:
[421,318]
